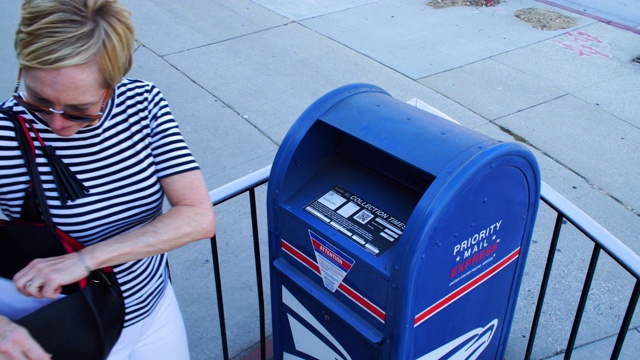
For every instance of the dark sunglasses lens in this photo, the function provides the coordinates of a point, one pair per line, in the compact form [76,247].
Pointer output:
[77,118]
[68,116]
[32,107]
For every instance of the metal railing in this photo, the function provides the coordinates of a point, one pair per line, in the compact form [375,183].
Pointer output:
[565,212]
[246,184]
[603,241]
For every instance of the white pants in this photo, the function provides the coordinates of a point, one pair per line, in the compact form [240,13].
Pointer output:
[160,336]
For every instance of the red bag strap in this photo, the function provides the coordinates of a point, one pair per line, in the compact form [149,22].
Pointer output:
[23,134]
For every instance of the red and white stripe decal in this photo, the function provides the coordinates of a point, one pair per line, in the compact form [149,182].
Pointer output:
[344,288]
[460,292]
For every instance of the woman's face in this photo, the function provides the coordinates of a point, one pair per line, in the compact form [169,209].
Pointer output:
[77,89]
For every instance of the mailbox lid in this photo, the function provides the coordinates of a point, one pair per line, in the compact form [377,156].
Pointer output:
[406,132]
[369,114]
[305,234]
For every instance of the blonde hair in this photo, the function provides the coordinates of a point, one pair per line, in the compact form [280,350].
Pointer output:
[53,34]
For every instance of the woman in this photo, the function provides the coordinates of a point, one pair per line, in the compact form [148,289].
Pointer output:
[118,136]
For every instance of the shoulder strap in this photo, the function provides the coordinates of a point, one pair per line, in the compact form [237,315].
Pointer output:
[35,190]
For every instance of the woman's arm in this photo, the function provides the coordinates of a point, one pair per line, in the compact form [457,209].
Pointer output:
[190,218]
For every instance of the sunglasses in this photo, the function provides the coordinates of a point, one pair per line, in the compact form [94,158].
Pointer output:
[69,115]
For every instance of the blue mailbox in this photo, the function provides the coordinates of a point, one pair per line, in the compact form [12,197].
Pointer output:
[394,233]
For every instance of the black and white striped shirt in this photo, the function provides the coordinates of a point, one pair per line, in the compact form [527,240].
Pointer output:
[120,159]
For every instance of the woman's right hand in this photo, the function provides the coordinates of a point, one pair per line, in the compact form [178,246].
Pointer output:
[16,343]
[44,278]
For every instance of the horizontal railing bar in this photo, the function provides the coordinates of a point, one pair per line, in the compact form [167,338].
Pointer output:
[590,228]
[239,186]
[598,234]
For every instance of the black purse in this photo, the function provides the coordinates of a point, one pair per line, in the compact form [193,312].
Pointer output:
[87,322]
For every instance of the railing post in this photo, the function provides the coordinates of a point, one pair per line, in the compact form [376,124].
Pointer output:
[624,328]
[543,285]
[218,280]
[256,254]
[583,301]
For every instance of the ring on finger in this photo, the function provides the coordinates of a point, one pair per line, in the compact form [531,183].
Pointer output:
[29,285]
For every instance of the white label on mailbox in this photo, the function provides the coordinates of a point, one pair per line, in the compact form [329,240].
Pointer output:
[334,264]
[364,223]
[332,200]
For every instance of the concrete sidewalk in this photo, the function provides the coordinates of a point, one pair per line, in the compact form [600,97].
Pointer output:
[238,73]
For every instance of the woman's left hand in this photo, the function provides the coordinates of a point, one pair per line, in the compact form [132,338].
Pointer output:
[44,278]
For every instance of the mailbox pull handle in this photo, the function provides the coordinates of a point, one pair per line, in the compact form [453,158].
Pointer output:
[355,321]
